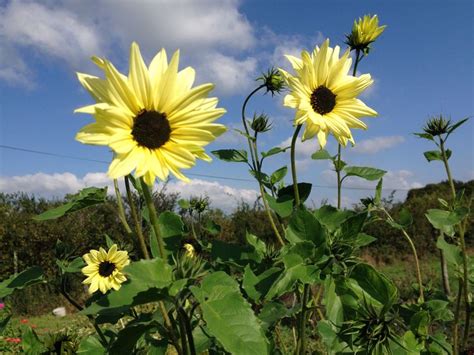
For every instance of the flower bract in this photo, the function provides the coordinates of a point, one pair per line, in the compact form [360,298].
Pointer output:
[153,119]
[104,269]
[325,96]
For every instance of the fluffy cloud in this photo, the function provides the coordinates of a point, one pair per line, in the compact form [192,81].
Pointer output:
[210,33]
[57,185]
[377,144]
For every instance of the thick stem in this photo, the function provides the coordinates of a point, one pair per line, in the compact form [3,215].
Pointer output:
[189,330]
[153,217]
[136,220]
[415,255]
[293,165]
[301,346]
[444,274]
[461,232]
[121,210]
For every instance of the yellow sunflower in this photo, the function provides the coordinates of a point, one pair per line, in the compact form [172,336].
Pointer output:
[154,120]
[104,269]
[325,96]
[364,32]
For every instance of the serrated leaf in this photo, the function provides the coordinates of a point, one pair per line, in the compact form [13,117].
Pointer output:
[303,226]
[321,154]
[231,155]
[28,277]
[229,317]
[86,197]
[363,172]
[145,278]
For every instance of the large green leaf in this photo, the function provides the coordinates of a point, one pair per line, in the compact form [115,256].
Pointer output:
[278,175]
[86,197]
[257,286]
[331,217]
[31,343]
[145,280]
[283,208]
[273,151]
[288,192]
[91,346]
[446,220]
[452,253]
[234,254]
[256,243]
[363,172]
[352,226]
[229,317]
[303,226]
[128,337]
[377,285]
[172,231]
[231,155]
[26,278]
[272,312]
[321,154]
[436,155]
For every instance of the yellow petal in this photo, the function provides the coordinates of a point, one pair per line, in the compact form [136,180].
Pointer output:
[138,77]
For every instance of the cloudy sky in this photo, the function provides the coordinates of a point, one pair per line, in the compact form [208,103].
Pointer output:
[422,65]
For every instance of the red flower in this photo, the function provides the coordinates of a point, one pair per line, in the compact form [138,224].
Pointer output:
[24,321]
[13,340]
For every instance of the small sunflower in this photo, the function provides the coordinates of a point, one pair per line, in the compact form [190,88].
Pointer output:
[364,32]
[189,251]
[325,96]
[104,269]
[152,119]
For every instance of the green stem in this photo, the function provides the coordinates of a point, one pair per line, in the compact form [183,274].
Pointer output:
[457,312]
[293,165]
[415,255]
[136,220]
[301,346]
[188,329]
[121,210]
[153,217]
[461,232]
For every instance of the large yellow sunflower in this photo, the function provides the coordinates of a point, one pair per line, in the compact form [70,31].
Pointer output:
[153,120]
[104,269]
[325,96]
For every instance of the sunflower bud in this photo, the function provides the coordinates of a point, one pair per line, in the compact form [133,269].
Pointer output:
[272,81]
[260,123]
[364,31]
[437,126]
[199,204]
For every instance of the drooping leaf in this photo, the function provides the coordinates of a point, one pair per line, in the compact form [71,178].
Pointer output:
[303,226]
[377,285]
[229,318]
[405,218]
[212,227]
[73,266]
[446,220]
[363,172]
[231,155]
[145,279]
[353,225]
[452,252]
[28,277]
[321,154]
[86,197]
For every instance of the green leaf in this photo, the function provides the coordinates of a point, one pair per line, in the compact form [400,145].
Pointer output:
[145,278]
[271,313]
[363,239]
[212,227]
[128,337]
[321,154]
[233,254]
[378,193]
[202,341]
[256,287]
[28,277]
[273,151]
[433,155]
[288,192]
[278,175]
[71,267]
[109,241]
[184,204]
[91,346]
[229,317]
[446,220]
[425,136]
[303,226]
[256,243]
[439,310]
[283,208]
[331,217]
[363,172]
[452,253]
[231,155]
[172,230]
[353,225]
[31,343]
[4,322]
[405,218]
[419,323]
[86,197]
[456,125]
[377,285]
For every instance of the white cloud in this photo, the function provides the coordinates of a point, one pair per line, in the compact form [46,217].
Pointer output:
[13,69]
[377,144]
[59,184]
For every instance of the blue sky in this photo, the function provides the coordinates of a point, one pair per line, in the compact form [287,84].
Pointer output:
[422,65]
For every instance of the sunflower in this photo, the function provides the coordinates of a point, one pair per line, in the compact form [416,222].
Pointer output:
[325,96]
[104,269]
[153,120]
[364,32]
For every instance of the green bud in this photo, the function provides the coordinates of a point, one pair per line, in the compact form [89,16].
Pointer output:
[437,126]
[272,81]
[260,123]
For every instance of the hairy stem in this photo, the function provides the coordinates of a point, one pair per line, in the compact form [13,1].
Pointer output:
[136,220]
[293,165]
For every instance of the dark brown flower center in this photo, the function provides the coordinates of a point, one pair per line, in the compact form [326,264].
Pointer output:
[106,268]
[151,129]
[323,100]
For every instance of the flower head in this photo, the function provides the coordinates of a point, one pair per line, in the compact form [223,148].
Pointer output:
[437,126]
[189,251]
[364,32]
[260,123]
[273,81]
[2,305]
[104,269]
[152,119]
[325,96]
